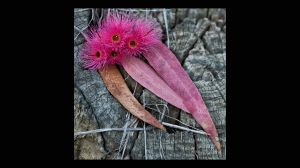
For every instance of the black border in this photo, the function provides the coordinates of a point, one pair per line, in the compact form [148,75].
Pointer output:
[47,80]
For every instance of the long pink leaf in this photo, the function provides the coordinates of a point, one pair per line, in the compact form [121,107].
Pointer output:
[147,77]
[170,70]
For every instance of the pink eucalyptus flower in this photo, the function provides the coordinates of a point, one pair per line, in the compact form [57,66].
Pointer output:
[94,54]
[115,55]
[134,44]
[144,33]
[114,28]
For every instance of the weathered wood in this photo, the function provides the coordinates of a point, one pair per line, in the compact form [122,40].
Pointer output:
[198,39]
[91,146]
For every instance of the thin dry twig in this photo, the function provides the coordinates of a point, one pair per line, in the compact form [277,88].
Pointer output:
[166,25]
[172,117]
[145,138]
[81,10]
[143,10]
[108,129]
[122,144]
[184,128]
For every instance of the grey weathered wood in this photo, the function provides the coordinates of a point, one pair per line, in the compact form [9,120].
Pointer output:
[91,146]
[198,39]
[184,36]
[81,20]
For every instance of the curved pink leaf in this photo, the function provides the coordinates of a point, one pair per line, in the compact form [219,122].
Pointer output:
[147,77]
[170,70]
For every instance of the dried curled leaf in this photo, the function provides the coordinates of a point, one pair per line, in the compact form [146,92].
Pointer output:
[116,85]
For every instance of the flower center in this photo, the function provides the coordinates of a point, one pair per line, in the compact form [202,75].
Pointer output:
[98,54]
[114,53]
[115,38]
[132,44]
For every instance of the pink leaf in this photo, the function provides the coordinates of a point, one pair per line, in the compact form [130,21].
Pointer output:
[147,77]
[170,70]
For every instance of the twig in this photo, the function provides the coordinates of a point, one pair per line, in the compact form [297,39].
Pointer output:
[102,13]
[161,150]
[172,118]
[81,10]
[124,134]
[166,25]
[142,10]
[134,88]
[80,32]
[164,110]
[138,129]
[125,145]
[147,12]
[184,128]
[109,129]
[145,137]
[126,77]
